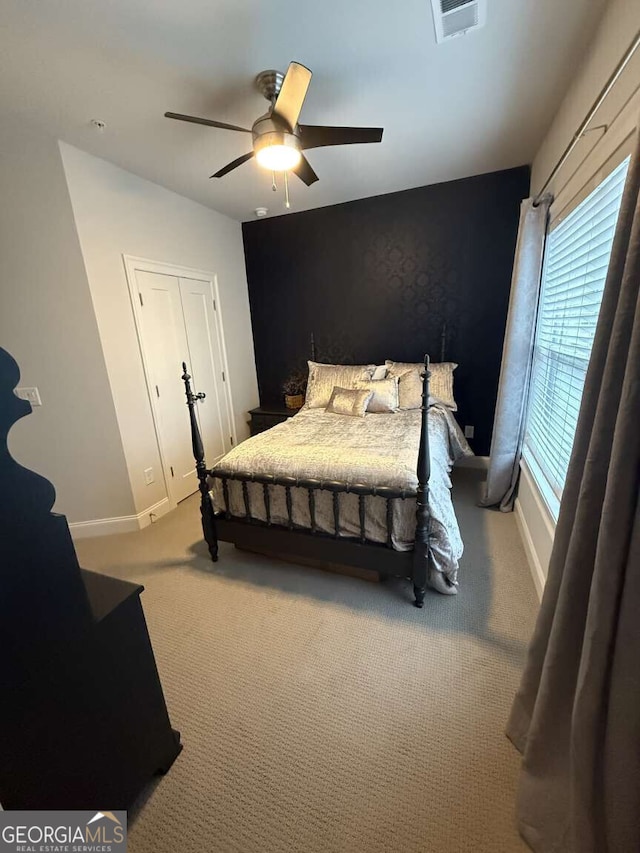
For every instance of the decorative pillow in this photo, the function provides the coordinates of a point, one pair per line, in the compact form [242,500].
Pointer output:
[323,378]
[384,394]
[349,401]
[410,389]
[410,385]
[380,372]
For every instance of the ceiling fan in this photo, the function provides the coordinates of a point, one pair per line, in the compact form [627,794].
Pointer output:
[278,139]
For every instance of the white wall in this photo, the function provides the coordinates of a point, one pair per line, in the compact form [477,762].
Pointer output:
[619,24]
[47,323]
[119,213]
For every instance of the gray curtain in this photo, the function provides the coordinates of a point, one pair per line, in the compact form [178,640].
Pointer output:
[509,421]
[576,717]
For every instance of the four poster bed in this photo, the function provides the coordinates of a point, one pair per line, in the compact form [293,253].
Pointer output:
[342,490]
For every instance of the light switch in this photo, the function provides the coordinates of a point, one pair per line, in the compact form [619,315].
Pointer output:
[148,476]
[32,395]
[469,431]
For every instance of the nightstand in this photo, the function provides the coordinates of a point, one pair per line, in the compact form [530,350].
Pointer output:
[265,417]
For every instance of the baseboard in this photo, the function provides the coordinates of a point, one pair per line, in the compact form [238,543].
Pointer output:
[120,524]
[537,572]
[473,462]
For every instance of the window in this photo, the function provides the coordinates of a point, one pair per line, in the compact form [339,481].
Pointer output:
[574,272]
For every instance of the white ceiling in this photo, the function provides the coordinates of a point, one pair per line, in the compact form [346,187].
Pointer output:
[477,103]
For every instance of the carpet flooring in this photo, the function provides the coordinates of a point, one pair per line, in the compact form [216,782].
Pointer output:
[324,713]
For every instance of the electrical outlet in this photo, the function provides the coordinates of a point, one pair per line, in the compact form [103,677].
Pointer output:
[32,395]
[469,431]
[148,476]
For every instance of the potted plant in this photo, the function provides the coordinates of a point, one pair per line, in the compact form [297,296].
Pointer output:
[294,388]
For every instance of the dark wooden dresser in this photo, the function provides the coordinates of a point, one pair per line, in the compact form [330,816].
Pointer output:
[267,416]
[83,720]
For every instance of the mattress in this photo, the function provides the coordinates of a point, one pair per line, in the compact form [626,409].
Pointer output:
[376,450]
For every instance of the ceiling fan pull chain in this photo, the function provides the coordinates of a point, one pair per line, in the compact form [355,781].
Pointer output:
[274,186]
[287,204]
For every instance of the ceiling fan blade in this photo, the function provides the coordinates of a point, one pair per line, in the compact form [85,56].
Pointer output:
[207,121]
[316,136]
[233,165]
[304,171]
[292,93]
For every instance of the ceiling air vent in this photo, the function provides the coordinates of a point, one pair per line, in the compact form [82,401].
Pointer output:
[456,17]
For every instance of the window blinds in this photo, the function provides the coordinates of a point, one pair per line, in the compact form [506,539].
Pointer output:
[575,268]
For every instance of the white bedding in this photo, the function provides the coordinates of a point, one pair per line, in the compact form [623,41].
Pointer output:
[377,450]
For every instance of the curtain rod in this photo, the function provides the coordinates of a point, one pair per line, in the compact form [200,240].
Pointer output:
[594,109]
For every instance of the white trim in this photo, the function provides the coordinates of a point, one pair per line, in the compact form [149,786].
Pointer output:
[542,487]
[223,352]
[481,462]
[537,572]
[545,511]
[121,523]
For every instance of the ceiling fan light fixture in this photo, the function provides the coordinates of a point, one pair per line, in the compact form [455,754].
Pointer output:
[277,151]
[278,138]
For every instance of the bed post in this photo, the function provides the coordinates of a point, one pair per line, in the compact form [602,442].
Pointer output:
[443,341]
[421,545]
[206,507]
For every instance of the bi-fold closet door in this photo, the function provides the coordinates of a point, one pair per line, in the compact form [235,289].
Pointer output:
[176,318]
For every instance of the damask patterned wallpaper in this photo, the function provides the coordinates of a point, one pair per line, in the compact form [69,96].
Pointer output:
[380,278]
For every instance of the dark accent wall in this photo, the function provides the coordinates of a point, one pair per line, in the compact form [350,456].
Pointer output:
[377,278]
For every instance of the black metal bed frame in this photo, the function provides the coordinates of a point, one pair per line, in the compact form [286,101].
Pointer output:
[310,543]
